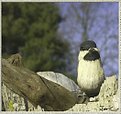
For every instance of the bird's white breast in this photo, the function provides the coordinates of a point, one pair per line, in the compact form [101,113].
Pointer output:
[90,73]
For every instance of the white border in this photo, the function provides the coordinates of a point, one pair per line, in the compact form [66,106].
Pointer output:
[0,53]
[60,112]
[60,0]
[119,56]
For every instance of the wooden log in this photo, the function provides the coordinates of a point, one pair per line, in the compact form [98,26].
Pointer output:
[38,90]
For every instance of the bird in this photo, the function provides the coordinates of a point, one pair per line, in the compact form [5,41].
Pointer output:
[90,73]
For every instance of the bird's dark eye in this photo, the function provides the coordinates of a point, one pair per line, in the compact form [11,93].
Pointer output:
[82,48]
[92,55]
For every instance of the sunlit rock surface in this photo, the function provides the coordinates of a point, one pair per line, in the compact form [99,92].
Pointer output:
[107,100]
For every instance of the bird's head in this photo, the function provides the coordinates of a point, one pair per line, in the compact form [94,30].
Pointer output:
[89,51]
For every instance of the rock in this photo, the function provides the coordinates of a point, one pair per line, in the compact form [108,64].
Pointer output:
[13,102]
[116,101]
[60,79]
[15,59]
[69,89]
[107,92]
[107,100]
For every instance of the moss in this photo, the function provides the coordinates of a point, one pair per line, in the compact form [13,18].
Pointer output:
[10,105]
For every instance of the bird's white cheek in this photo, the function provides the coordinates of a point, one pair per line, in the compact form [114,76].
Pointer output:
[82,54]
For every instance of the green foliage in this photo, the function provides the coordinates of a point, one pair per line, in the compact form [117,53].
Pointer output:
[31,28]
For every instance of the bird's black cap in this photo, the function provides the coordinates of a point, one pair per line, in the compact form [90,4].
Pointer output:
[87,44]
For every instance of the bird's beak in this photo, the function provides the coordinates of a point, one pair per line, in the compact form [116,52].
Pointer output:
[96,49]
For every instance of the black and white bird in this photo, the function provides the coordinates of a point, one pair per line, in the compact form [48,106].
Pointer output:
[90,70]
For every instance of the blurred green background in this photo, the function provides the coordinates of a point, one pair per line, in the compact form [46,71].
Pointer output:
[31,30]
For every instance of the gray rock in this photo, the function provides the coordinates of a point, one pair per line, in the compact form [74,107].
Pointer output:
[107,100]
[65,83]
[60,79]
[107,92]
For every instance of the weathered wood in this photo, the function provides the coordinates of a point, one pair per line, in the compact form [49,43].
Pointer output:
[38,90]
